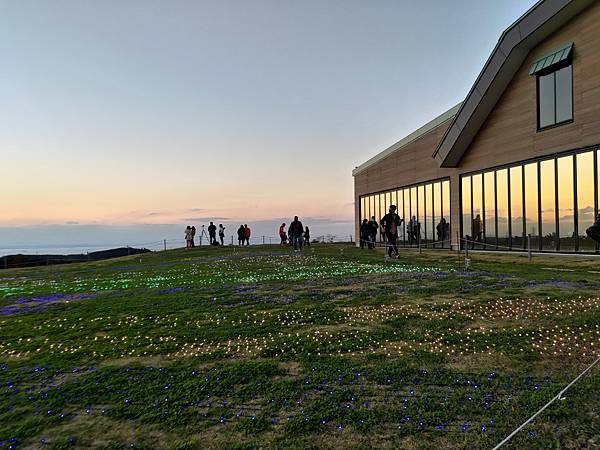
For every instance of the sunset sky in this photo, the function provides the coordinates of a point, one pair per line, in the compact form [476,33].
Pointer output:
[119,113]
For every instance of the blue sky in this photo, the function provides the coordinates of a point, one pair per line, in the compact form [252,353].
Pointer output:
[122,113]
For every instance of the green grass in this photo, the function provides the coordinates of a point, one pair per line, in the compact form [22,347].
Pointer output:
[332,348]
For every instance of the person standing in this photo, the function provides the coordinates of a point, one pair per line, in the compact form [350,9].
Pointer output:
[296,230]
[441,230]
[282,235]
[212,234]
[307,236]
[390,223]
[248,232]
[412,230]
[373,228]
[477,228]
[364,234]
[188,234]
[241,235]
[193,237]
[222,234]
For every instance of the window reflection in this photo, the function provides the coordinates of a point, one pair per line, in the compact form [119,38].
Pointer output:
[437,213]
[531,204]
[421,213]
[446,211]
[489,209]
[477,222]
[566,211]
[585,198]
[428,231]
[502,207]
[547,205]
[467,218]
[516,207]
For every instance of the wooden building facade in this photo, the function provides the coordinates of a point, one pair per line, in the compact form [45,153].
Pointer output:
[517,163]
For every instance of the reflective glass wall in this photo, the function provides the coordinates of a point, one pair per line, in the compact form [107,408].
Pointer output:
[551,202]
[427,204]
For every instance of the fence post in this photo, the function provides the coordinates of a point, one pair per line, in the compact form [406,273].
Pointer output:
[231,239]
[128,250]
[165,244]
[529,255]
[270,241]
[263,240]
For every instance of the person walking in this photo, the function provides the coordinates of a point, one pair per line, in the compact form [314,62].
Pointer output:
[212,234]
[364,234]
[373,228]
[296,230]
[282,235]
[390,223]
[222,234]
[248,233]
[241,232]
[307,236]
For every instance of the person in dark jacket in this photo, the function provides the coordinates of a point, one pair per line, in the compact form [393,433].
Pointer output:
[241,232]
[364,234]
[594,231]
[373,228]
[296,229]
[212,234]
[441,230]
[222,233]
[389,224]
[306,236]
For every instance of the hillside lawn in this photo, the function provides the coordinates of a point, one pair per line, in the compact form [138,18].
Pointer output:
[330,348]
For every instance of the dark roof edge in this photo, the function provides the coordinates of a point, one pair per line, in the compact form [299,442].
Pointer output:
[542,19]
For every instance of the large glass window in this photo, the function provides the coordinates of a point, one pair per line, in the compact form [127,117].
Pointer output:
[406,194]
[489,209]
[413,215]
[517,219]
[446,212]
[437,213]
[566,208]
[467,217]
[429,226]
[555,97]
[531,204]
[477,225]
[502,207]
[548,204]
[420,213]
[585,198]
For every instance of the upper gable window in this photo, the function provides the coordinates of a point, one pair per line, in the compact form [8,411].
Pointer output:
[554,73]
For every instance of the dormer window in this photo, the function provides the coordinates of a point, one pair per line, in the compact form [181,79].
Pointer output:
[554,72]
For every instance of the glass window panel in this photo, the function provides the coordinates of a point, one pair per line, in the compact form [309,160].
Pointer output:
[531,203]
[413,210]
[363,209]
[566,211]
[429,212]
[516,207]
[446,210]
[585,198]
[376,208]
[406,194]
[466,208]
[490,208]
[502,206]
[437,212]
[546,107]
[420,212]
[477,225]
[371,206]
[388,202]
[564,94]
[400,205]
[548,208]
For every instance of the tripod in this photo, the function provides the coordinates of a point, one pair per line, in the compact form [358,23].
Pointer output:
[203,234]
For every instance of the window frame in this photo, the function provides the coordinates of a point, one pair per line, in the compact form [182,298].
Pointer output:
[537,97]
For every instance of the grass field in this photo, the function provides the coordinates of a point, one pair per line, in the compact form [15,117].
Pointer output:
[332,348]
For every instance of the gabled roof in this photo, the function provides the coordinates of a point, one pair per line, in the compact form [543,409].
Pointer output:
[408,139]
[544,18]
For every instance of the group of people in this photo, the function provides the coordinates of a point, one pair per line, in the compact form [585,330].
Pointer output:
[390,226]
[299,235]
[244,232]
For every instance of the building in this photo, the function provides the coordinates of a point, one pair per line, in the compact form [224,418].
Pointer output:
[517,163]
